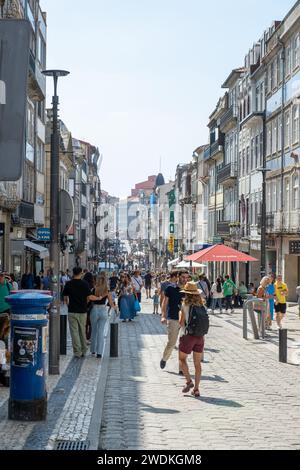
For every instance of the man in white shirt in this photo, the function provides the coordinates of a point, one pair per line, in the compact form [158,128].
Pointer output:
[137,283]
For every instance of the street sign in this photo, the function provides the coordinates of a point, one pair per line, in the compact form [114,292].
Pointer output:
[217,240]
[66,212]
[14,62]
[44,234]
[171,244]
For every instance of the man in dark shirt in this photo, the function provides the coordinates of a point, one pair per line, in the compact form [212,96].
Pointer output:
[148,284]
[113,281]
[76,293]
[170,314]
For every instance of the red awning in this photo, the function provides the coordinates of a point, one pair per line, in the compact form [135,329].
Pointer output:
[220,253]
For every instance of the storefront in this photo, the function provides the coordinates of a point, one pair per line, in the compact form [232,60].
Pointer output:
[27,257]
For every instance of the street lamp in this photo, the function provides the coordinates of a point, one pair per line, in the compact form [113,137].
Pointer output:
[54,319]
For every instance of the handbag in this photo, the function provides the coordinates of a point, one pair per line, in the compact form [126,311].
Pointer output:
[137,306]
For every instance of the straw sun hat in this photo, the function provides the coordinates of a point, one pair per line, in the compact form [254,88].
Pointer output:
[191,288]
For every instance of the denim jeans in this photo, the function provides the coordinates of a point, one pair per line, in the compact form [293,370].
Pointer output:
[217,302]
[99,316]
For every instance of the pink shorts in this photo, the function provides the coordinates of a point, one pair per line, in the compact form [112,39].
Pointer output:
[189,344]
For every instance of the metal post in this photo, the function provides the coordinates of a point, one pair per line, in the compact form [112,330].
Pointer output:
[63,333]
[283,346]
[54,318]
[245,332]
[114,339]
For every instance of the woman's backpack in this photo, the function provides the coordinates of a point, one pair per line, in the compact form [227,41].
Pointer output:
[198,323]
[219,287]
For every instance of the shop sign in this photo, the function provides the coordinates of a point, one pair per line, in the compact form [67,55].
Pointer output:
[44,234]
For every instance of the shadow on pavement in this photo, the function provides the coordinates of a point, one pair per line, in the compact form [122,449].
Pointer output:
[217,401]
[151,409]
[215,378]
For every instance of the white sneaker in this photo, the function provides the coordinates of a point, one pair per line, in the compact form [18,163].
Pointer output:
[212,312]
[221,311]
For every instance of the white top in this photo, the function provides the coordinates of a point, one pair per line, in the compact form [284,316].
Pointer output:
[137,283]
[186,311]
[215,293]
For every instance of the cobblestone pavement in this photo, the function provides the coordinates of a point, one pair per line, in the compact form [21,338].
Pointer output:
[248,399]
[71,404]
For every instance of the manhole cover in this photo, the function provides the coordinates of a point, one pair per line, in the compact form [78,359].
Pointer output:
[72,445]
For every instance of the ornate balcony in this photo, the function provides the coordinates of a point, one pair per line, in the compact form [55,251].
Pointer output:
[9,197]
[227,174]
[229,119]
[223,228]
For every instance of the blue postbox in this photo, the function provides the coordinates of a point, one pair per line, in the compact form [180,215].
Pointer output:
[28,347]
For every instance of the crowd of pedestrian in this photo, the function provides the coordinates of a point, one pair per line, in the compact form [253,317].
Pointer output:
[182,300]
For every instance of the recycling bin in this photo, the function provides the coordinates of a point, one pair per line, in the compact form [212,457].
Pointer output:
[29,331]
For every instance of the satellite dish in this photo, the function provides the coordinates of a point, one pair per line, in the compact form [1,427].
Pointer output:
[66,212]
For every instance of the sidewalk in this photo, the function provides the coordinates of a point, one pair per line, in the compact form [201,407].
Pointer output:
[74,411]
[248,399]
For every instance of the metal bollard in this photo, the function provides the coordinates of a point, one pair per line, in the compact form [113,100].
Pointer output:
[63,332]
[283,346]
[114,339]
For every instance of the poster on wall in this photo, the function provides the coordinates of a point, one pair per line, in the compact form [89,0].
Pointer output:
[25,346]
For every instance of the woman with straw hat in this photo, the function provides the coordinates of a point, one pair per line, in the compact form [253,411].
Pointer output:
[190,343]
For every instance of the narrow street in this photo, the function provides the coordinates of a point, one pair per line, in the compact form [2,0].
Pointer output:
[248,399]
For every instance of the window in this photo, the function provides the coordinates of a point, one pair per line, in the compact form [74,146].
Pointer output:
[257,151]
[288,59]
[28,189]
[30,124]
[296,51]
[287,194]
[257,98]
[247,161]
[295,112]
[278,194]
[274,136]
[41,50]
[244,163]
[261,148]
[41,110]
[83,189]
[83,212]
[273,75]
[279,69]
[287,135]
[269,138]
[40,156]
[252,163]
[279,133]
[295,196]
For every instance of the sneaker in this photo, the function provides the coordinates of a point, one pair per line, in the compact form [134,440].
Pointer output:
[221,311]
[212,312]
[180,372]
[99,356]
[162,364]
[232,311]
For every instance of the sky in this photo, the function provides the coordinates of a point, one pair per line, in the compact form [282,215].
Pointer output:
[146,74]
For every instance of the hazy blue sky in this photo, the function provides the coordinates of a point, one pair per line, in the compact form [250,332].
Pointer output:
[146,74]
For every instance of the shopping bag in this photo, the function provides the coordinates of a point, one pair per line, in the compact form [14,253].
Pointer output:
[137,306]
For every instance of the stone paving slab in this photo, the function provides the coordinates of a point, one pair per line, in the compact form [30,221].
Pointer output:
[73,404]
[248,399]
